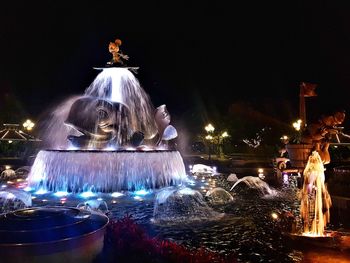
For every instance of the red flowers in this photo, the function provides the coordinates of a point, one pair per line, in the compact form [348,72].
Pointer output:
[126,241]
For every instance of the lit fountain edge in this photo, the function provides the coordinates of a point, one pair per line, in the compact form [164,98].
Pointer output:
[106,171]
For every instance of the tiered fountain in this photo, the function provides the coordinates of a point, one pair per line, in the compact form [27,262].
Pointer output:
[109,139]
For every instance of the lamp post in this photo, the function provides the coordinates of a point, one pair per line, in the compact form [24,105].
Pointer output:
[222,141]
[298,127]
[210,129]
[210,139]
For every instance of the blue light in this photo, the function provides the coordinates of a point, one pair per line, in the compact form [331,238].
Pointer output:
[116,194]
[41,191]
[142,192]
[61,193]
[87,194]
[190,182]
[28,189]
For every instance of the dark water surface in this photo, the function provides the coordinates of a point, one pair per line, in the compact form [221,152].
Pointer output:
[247,231]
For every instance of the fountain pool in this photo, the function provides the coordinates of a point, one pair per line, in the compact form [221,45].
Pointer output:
[246,229]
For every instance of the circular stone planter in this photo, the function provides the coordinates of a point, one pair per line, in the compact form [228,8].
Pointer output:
[51,234]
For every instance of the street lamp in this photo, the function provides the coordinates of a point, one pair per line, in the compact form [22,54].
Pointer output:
[222,141]
[210,139]
[224,134]
[28,125]
[209,128]
[297,125]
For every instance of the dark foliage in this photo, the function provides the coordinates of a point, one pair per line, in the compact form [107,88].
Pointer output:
[126,241]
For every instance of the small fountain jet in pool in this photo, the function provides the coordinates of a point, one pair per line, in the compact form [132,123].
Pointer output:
[255,182]
[109,139]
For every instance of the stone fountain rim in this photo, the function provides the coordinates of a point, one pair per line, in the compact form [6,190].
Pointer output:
[109,151]
[63,240]
[331,241]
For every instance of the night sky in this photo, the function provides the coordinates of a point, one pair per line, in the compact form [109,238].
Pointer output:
[201,55]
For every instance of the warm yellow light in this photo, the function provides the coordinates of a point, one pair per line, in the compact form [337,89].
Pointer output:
[224,134]
[28,125]
[209,128]
[274,216]
[10,141]
[261,173]
[209,137]
[297,124]
[284,137]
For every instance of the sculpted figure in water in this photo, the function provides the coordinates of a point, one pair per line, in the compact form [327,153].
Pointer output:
[99,123]
[166,132]
[320,133]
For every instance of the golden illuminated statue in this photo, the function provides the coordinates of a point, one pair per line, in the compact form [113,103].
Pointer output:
[315,199]
[118,56]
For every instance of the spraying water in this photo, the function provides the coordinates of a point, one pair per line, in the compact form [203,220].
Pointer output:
[53,132]
[315,199]
[12,199]
[113,85]
[106,171]
[178,205]
[120,85]
[255,182]
[104,140]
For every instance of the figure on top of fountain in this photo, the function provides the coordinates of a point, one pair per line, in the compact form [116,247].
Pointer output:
[118,56]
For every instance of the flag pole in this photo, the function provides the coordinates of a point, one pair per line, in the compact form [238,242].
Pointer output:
[302,110]
[306,90]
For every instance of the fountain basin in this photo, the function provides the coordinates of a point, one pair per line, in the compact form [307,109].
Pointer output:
[51,234]
[106,171]
[332,239]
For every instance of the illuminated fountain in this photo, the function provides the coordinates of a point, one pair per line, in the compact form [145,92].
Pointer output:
[315,205]
[109,139]
[315,199]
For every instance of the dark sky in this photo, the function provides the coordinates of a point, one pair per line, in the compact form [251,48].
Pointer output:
[190,53]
